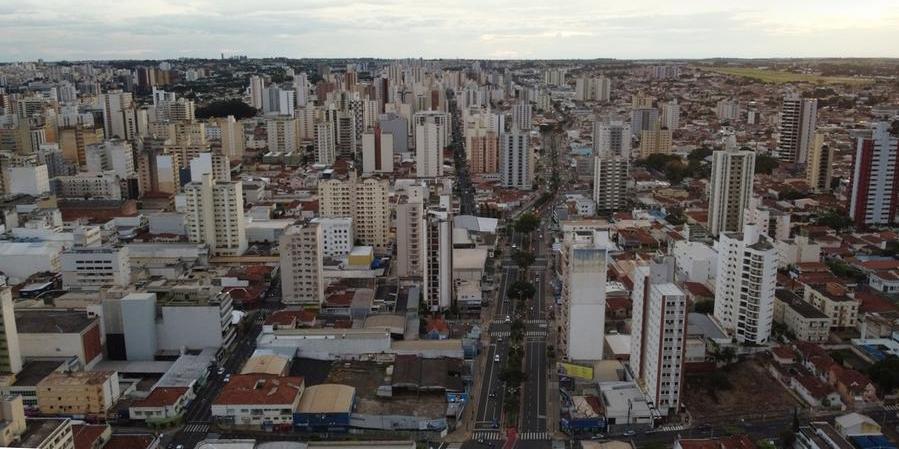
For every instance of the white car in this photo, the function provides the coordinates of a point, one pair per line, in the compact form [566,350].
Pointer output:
[496,358]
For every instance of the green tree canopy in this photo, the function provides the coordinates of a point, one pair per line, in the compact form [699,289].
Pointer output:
[527,223]
[224,108]
[765,164]
[522,290]
[523,259]
[885,374]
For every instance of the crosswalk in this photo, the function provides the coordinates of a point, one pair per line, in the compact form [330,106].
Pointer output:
[670,428]
[524,321]
[891,407]
[488,436]
[196,428]
[526,334]
[534,436]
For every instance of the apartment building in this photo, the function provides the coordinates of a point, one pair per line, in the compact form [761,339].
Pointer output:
[93,267]
[583,264]
[214,215]
[364,200]
[302,278]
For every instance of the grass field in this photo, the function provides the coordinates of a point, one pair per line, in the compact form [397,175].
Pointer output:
[779,77]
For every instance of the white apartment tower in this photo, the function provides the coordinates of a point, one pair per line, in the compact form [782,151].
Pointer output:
[214,215]
[592,89]
[256,91]
[302,278]
[282,134]
[521,116]
[797,128]
[610,178]
[377,151]
[10,355]
[611,138]
[516,165]
[325,144]
[337,236]
[658,332]
[584,262]
[670,115]
[874,192]
[730,188]
[745,284]
[432,132]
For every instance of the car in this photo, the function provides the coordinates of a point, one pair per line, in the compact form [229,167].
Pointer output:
[629,433]
[491,395]
[508,319]
[227,378]
[496,358]
[221,371]
[499,339]
[598,436]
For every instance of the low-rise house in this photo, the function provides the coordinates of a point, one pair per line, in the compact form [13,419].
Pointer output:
[855,424]
[163,404]
[815,392]
[854,387]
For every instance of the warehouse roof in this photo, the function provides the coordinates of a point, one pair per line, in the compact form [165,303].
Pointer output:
[327,398]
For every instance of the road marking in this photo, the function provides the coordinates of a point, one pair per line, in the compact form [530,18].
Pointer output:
[488,436]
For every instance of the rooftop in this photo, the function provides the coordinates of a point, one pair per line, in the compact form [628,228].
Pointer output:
[52,321]
[327,398]
[76,378]
[34,372]
[260,389]
[161,397]
[38,429]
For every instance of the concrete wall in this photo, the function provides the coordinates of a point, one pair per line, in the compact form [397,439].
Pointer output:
[139,323]
[192,327]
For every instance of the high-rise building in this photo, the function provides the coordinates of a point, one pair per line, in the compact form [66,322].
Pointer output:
[745,284]
[232,139]
[610,178]
[730,188]
[875,181]
[481,143]
[644,119]
[516,165]
[432,133]
[277,101]
[611,138]
[365,201]
[337,235]
[325,145]
[282,134]
[584,263]
[655,141]
[521,116]
[410,232]
[95,267]
[10,355]
[114,155]
[592,89]
[118,114]
[256,91]
[438,275]
[727,110]
[73,142]
[214,215]
[819,168]
[797,128]
[658,332]
[670,115]
[302,278]
[377,151]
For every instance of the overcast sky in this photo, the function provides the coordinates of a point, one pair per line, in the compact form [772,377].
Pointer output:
[159,29]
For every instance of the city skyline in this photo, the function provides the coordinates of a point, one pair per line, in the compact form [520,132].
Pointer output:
[645,29]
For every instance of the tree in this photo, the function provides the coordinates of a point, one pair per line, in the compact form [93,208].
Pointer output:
[224,108]
[527,223]
[523,259]
[522,290]
[765,164]
[885,374]
[834,220]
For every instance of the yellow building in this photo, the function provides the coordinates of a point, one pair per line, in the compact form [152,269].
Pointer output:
[74,140]
[656,141]
[78,393]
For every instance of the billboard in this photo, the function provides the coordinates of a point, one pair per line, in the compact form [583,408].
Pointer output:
[576,371]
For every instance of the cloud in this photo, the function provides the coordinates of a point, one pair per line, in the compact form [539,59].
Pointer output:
[85,29]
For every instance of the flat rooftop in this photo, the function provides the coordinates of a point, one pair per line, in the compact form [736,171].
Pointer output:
[52,321]
[38,429]
[34,372]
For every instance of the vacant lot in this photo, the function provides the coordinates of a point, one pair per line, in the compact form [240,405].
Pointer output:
[366,377]
[750,390]
[780,77]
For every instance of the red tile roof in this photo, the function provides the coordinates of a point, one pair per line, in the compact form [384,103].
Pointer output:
[161,397]
[260,389]
[86,436]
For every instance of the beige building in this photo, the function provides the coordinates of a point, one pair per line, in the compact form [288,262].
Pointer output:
[78,393]
[366,201]
[215,216]
[282,134]
[819,167]
[301,247]
[804,320]
[232,138]
[834,302]
[410,232]
[10,356]
[73,142]
[655,141]
[47,433]
[12,420]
